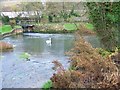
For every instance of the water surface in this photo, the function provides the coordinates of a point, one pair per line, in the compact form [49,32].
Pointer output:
[19,73]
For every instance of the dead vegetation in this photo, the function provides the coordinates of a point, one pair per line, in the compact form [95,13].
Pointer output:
[5,46]
[91,70]
[84,31]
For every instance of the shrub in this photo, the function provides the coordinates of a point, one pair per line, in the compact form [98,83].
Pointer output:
[91,69]
[89,26]
[12,23]
[105,18]
[103,52]
[116,57]
[5,19]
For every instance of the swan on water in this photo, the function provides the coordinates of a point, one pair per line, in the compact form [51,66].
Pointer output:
[49,42]
[14,46]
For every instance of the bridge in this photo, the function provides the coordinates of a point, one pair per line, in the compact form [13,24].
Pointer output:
[28,27]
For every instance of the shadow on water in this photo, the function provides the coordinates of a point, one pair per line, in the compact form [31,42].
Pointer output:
[19,73]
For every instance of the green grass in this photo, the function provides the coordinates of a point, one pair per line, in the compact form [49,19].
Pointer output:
[70,26]
[47,85]
[5,29]
[17,26]
[89,26]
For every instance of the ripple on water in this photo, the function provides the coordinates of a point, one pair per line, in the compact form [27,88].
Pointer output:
[34,73]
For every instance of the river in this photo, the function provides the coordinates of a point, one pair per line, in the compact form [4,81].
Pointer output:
[17,72]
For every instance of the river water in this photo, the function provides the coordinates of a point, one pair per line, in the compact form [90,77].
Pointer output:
[17,72]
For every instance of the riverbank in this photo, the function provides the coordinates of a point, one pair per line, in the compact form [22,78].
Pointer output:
[14,31]
[85,64]
[86,28]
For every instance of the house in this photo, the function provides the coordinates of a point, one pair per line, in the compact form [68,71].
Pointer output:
[25,17]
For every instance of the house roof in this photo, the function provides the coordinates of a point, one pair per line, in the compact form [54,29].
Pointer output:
[15,14]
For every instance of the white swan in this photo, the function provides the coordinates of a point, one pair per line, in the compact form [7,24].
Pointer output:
[49,42]
[14,46]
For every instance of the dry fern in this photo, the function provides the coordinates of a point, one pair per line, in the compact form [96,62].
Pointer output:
[91,69]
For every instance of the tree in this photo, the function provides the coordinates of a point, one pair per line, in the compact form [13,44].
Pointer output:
[34,7]
[64,10]
[105,17]
[5,19]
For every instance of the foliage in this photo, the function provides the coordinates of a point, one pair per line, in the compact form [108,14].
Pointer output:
[103,52]
[115,56]
[83,30]
[62,11]
[0,17]
[5,19]
[91,69]
[52,28]
[105,18]
[17,26]
[47,85]
[12,23]
[50,18]
[25,55]
[72,68]
[70,26]
[89,26]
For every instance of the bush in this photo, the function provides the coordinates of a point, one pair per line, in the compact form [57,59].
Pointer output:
[105,18]
[12,23]
[5,19]
[103,52]
[91,69]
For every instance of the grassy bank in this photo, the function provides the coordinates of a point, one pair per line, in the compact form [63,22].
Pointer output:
[62,28]
[7,28]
